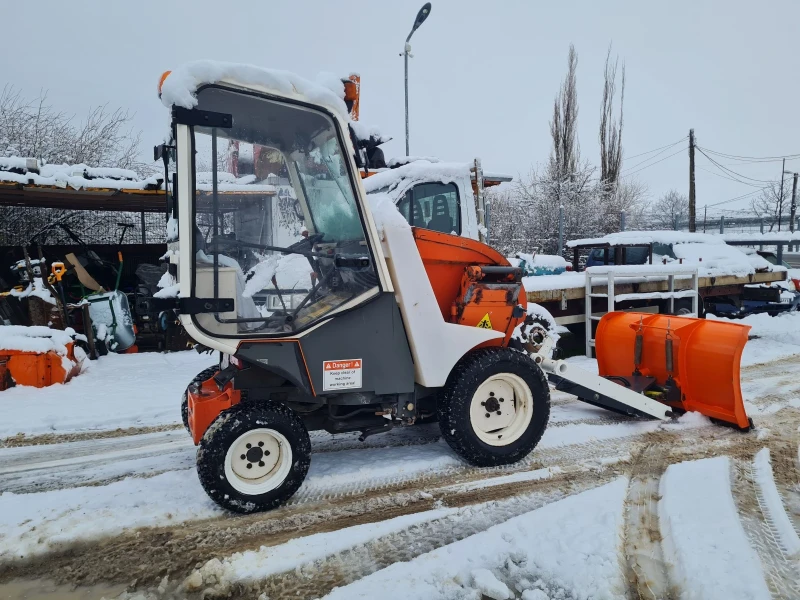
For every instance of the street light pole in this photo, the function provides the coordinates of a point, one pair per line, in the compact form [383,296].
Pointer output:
[421,16]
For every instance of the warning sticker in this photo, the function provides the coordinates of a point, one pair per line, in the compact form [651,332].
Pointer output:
[485,322]
[341,374]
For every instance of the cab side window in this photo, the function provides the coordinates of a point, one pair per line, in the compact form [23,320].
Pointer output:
[432,206]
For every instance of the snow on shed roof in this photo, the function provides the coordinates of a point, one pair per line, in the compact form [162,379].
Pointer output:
[648,237]
[766,237]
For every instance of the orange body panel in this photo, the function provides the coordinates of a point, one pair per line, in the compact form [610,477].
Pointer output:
[38,369]
[446,258]
[706,357]
[207,403]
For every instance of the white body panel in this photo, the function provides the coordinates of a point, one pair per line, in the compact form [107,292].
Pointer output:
[436,345]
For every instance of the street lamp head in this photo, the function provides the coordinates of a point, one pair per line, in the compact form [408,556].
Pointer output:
[421,16]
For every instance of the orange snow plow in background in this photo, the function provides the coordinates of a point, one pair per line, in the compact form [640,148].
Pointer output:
[688,364]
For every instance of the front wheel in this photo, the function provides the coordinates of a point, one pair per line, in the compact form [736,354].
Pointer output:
[254,457]
[495,407]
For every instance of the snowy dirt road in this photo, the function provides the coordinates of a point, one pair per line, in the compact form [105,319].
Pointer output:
[605,507]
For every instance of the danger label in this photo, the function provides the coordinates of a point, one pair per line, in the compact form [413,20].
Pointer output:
[485,322]
[341,374]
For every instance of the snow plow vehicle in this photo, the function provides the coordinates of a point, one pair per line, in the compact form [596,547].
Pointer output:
[399,324]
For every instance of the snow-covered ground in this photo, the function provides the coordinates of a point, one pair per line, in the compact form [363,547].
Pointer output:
[605,507]
[119,390]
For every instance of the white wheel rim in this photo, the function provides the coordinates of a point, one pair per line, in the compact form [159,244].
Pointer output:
[501,409]
[269,455]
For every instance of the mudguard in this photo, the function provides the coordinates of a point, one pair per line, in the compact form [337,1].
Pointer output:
[706,359]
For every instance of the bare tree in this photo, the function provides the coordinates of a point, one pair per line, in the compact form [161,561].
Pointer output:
[610,128]
[770,203]
[670,211]
[565,155]
[34,128]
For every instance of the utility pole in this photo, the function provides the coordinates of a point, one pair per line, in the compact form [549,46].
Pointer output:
[780,200]
[692,199]
[794,204]
[705,218]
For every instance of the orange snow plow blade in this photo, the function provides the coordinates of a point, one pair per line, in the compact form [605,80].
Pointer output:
[695,362]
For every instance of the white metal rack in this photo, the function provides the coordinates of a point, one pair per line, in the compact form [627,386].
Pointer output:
[609,273]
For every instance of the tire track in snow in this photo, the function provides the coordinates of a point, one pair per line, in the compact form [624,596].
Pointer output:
[780,574]
[317,579]
[647,569]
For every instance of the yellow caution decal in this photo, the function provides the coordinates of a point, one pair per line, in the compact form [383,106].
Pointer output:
[485,322]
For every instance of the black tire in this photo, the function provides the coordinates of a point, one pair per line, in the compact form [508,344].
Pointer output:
[454,403]
[202,376]
[228,427]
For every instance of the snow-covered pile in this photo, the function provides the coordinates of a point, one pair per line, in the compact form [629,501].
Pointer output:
[37,288]
[35,339]
[539,264]
[771,338]
[718,259]
[31,171]
[709,253]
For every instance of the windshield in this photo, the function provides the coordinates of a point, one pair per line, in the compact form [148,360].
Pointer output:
[277,226]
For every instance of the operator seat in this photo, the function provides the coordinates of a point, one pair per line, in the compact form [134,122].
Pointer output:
[441,219]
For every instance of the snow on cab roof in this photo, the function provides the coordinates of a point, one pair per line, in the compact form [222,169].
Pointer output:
[648,237]
[418,170]
[181,85]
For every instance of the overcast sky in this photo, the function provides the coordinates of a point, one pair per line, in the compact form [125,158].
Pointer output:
[483,76]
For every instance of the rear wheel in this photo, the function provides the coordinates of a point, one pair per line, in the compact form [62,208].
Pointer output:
[202,376]
[495,406]
[254,457]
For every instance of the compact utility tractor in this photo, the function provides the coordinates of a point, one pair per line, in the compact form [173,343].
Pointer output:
[386,324]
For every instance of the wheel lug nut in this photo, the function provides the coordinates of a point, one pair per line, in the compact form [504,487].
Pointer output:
[249,465]
[488,415]
[491,393]
[499,413]
[260,444]
[248,446]
[266,452]
[261,463]
[243,456]
[483,403]
[502,399]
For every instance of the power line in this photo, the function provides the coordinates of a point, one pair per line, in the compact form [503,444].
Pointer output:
[753,158]
[732,172]
[652,164]
[729,178]
[651,157]
[661,148]
[742,197]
